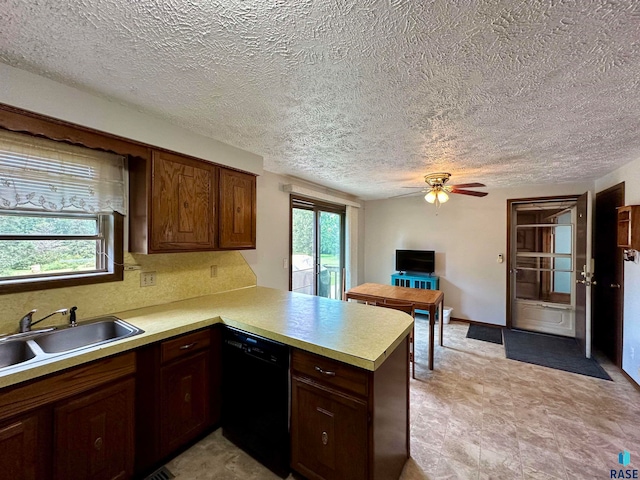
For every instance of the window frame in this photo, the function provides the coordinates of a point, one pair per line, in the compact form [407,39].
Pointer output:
[112,226]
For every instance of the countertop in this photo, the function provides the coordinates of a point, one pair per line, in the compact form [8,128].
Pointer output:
[353,333]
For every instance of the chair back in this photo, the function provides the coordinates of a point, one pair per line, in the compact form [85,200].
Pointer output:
[398,305]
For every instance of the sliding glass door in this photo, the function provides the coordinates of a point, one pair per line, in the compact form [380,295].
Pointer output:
[317,248]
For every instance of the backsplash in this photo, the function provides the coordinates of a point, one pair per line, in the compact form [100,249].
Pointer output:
[178,276]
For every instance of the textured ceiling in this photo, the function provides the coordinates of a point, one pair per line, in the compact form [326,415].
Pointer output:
[365,96]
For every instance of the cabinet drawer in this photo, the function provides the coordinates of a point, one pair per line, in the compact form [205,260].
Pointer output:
[331,372]
[184,345]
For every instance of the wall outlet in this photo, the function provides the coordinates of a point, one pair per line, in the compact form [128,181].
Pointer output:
[214,271]
[285,263]
[147,279]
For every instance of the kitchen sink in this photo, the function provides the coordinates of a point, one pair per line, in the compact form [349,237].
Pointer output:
[14,352]
[35,348]
[103,330]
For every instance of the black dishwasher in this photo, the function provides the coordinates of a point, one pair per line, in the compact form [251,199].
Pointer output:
[255,397]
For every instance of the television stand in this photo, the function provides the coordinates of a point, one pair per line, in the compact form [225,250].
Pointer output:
[415,280]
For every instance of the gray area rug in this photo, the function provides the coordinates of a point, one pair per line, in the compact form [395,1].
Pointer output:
[551,351]
[485,333]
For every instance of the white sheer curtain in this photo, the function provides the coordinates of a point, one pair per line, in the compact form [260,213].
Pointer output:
[41,174]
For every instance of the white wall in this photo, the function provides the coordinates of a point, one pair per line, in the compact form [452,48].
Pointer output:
[37,94]
[273,229]
[467,234]
[630,175]
[272,232]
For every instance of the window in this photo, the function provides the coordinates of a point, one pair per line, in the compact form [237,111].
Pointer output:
[317,247]
[61,210]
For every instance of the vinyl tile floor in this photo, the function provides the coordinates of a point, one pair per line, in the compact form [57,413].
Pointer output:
[478,415]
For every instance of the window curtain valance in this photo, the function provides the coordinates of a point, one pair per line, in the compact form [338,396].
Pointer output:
[41,174]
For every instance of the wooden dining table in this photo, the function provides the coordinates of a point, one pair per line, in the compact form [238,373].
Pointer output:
[421,299]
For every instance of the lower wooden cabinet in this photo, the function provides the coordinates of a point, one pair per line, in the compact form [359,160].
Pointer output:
[77,424]
[349,423]
[184,400]
[329,434]
[94,434]
[178,395]
[25,447]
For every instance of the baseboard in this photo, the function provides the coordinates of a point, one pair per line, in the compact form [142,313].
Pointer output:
[630,378]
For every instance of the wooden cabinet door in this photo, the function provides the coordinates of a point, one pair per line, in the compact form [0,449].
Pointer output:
[237,209]
[25,447]
[94,434]
[185,400]
[328,433]
[182,199]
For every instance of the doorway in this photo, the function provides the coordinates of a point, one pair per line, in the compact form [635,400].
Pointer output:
[317,248]
[543,266]
[608,290]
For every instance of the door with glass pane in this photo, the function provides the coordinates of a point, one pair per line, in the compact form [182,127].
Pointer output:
[317,248]
[543,267]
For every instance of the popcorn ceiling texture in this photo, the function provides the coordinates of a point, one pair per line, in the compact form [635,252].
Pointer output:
[363,96]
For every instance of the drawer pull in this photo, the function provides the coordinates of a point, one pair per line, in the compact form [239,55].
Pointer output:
[187,346]
[187,398]
[328,373]
[325,438]
[98,443]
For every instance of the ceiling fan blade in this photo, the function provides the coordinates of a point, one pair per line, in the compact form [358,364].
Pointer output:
[407,194]
[468,185]
[469,192]
[414,187]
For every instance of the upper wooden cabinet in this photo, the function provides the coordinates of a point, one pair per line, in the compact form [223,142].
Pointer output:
[237,209]
[182,204]
[629,227]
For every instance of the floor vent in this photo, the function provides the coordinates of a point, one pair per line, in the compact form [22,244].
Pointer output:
[161,474]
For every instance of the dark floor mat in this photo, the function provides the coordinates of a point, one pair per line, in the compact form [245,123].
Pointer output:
[485,333]
[561,353]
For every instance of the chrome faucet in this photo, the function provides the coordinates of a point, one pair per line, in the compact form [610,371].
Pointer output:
[27,322]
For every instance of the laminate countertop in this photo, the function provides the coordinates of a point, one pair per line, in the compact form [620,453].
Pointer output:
[353,333]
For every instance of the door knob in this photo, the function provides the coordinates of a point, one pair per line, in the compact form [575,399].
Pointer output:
[615,285]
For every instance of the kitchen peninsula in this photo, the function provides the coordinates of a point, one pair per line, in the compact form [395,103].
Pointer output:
[349,356]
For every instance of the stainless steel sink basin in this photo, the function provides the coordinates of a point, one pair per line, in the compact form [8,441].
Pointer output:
[103,330]
[14,352]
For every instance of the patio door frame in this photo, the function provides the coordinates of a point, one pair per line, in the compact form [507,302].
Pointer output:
[317,206]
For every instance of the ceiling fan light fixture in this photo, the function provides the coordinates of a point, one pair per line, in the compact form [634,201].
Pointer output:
[442,196]
[430,196]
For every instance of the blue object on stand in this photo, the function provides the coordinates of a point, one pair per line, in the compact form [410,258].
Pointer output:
[412,280]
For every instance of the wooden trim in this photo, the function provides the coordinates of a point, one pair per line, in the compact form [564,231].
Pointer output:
[70,382]
[631,380]
[18,120]
[24,121]
[117,275]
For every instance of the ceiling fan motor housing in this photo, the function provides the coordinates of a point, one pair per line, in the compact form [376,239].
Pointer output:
[437,179]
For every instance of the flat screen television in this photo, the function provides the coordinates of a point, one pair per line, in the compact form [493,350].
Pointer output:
[419,261]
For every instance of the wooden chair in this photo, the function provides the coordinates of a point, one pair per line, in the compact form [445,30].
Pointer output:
[406,308]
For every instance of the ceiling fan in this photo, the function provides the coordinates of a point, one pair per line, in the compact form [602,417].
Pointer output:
[437,192]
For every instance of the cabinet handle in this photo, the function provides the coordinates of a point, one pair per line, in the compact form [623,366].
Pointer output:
[325,438]
[187,346]
[615,285]
[98,443]
[328,373]
[187,398]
